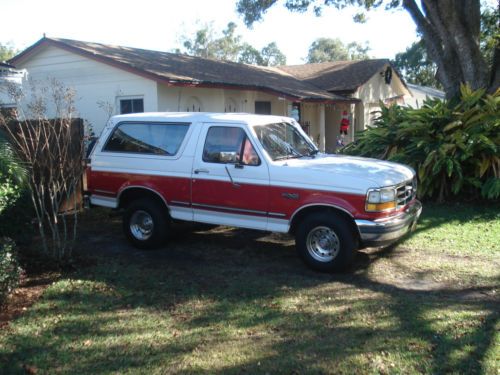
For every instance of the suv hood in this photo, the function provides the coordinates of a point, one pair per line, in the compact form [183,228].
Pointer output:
[342,171]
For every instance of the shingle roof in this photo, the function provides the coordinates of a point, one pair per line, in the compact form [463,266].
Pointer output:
[177,69]
[341,76]
[425,90]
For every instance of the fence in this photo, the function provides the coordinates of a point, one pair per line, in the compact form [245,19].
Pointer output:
[50,148]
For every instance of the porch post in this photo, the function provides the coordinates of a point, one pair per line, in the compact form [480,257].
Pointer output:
[321,119]
[353,124]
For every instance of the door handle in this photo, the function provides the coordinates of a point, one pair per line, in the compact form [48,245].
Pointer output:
[201,170]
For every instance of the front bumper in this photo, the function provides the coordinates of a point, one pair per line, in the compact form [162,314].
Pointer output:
[382,232]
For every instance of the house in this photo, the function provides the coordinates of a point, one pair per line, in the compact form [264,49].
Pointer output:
[135,80]
[10,80]
[420,93]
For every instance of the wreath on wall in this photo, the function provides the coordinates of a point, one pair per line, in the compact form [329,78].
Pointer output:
[388,75]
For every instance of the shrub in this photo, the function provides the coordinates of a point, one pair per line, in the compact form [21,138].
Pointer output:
[453,146]
[12,176]
[52,150]
[10,272]
[15,202]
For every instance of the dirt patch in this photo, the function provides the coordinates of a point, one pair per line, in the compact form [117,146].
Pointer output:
[25,295]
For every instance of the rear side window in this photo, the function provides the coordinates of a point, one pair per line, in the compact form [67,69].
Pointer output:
[147,138]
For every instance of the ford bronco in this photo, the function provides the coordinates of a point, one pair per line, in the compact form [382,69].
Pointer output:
[249,171]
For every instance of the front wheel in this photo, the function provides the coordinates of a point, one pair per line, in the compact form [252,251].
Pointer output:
[325,242]
[145,224]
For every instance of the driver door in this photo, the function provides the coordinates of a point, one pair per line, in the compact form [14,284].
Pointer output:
[230,179]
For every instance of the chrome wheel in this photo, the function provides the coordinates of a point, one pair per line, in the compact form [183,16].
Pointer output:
[323,244]
[141,225]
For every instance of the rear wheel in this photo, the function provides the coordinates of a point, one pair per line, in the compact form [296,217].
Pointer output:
[146,224]
[325,242]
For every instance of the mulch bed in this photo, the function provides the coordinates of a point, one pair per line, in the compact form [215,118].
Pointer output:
[28,292]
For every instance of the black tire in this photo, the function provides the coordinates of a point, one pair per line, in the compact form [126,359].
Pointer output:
[146,224]
[325,242]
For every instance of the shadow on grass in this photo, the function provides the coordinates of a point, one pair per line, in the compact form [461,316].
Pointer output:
[238,301]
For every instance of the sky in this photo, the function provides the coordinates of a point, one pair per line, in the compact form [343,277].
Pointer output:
[159,25]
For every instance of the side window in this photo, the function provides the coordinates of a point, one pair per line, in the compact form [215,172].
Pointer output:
[147,138]
[229,145]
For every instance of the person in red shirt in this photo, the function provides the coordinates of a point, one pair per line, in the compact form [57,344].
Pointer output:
[344,123]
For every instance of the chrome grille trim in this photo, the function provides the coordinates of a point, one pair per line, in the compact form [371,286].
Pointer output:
[406,192]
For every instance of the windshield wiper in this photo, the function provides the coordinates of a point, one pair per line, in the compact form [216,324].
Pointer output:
[285,157]
[297,156]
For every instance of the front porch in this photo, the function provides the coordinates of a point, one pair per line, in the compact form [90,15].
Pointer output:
[322,122]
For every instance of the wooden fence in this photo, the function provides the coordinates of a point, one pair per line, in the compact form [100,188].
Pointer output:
[75,150]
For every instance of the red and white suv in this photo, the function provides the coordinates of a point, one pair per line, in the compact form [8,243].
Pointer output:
[249,171]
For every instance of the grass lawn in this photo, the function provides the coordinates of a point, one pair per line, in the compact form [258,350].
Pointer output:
[236,301]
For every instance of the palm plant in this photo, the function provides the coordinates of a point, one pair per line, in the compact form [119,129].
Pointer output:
[453,145]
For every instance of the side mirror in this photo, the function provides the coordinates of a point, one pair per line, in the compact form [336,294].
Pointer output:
[228,157]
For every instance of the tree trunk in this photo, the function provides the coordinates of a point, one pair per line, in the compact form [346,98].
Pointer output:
[450,30]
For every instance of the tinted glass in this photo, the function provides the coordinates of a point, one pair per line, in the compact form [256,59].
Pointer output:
[158,139]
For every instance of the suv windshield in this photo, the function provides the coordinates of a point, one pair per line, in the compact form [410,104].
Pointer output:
[283,141]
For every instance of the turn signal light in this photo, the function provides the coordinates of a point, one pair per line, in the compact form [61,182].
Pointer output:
[380,206]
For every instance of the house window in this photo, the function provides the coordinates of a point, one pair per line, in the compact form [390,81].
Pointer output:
[263,108]
[131,105]
[147,138]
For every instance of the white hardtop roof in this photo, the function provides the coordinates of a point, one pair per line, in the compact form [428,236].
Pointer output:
[245,118]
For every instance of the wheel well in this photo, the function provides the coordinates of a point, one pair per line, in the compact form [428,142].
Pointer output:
[302,214]
[132,194]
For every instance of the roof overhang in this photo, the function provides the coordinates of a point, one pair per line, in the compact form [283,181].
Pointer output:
[46,42]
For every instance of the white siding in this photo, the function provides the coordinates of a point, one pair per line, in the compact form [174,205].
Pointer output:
[171,99]
[375,90]
[94,82]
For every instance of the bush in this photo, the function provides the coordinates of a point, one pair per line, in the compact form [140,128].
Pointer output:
[454,147]
[16,220]
[13,176]
[52,151]
[15,203]
[10,272]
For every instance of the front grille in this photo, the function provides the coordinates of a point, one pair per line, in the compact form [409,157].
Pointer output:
[406,192]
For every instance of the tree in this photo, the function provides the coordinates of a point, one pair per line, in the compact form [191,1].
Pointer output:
[230,47]
[51,151]
[416,66]
[450,32]
[202,44]
[250,55]
[272,56]
[327,49]
[7,51]
[489,37]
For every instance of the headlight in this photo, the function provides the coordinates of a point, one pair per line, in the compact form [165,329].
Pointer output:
[380,200]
